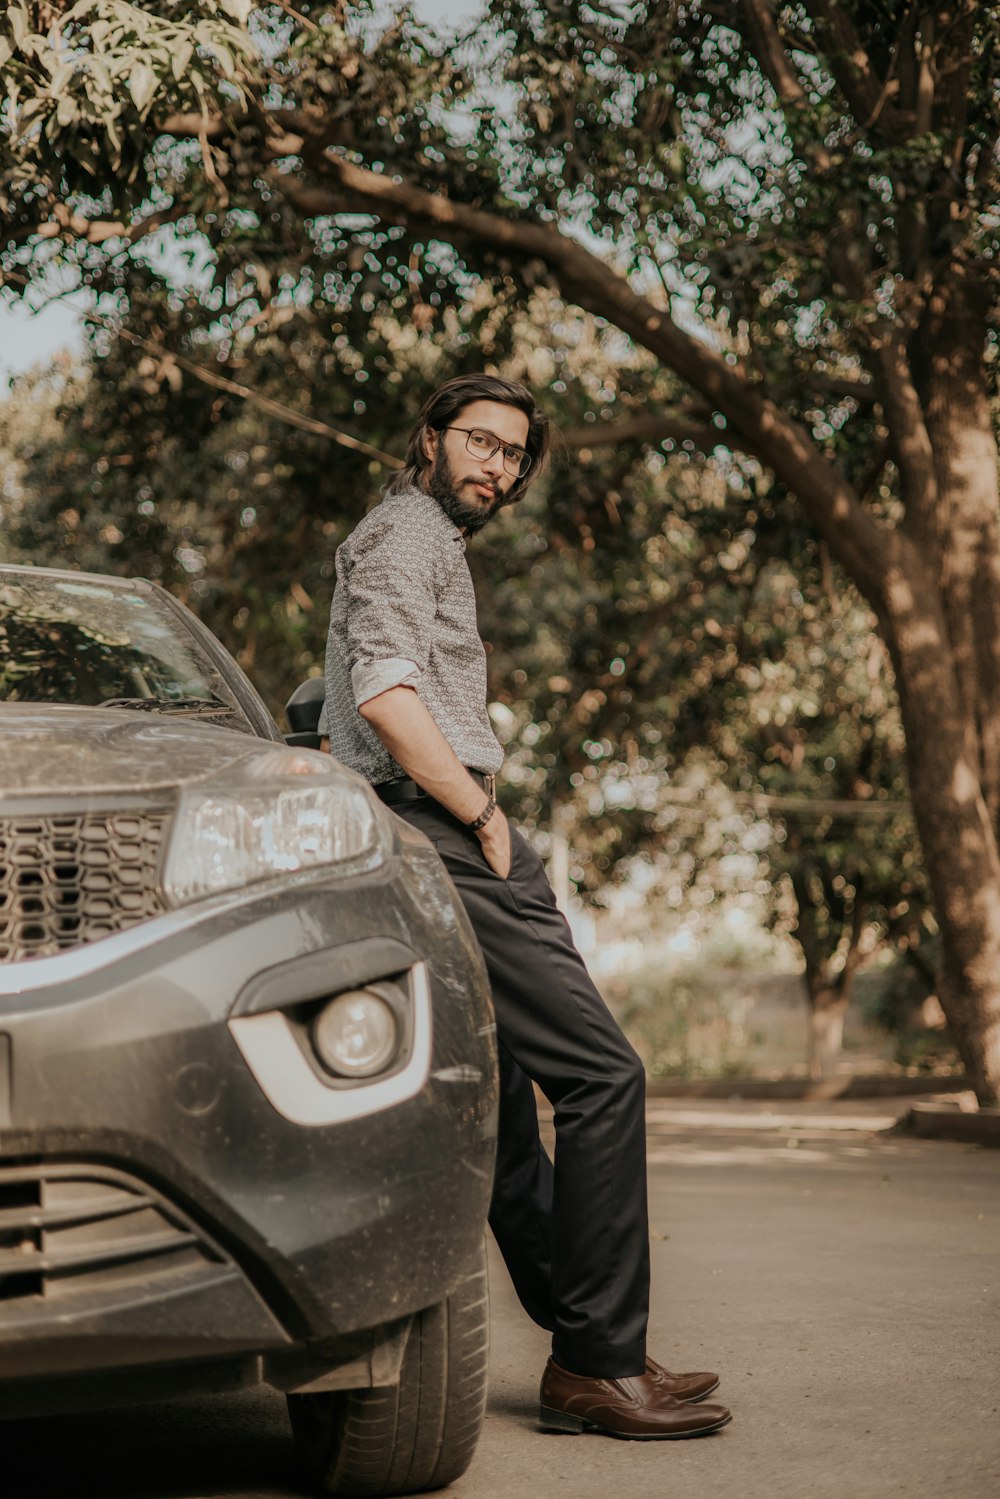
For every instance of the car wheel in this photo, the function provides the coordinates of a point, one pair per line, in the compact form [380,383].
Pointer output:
[419,1434]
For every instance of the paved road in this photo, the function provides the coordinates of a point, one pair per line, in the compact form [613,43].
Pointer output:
[845,1281]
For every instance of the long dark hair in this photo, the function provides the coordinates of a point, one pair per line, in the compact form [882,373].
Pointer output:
[448,401]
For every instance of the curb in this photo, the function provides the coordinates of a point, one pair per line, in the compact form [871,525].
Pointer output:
[822,1090]
[932,1121]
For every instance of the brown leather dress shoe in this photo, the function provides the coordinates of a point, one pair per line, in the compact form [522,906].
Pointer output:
[689,1387]
[634,1407]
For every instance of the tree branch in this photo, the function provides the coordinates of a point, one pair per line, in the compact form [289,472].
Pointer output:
[212,127]
[862,391]
[804,929]
[65,223]
[873,471]
[906,420]
[273,408]
[851,67]
[756,22]
[769,50]
[289,130]
[793,808]
[244,392]
[679,427]
[758,425]
[853,956]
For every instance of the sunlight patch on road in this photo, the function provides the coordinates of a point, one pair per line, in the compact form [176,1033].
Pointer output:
[737,1155]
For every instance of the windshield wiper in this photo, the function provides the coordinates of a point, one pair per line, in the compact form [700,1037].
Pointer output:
[213,705]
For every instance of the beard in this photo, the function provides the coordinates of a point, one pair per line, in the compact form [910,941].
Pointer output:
[469,515]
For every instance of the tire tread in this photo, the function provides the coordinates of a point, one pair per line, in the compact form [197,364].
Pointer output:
[420,1434]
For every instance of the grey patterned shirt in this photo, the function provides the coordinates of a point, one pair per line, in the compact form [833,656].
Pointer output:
[404,614]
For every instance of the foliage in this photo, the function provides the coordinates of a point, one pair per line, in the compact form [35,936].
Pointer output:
[644,638]
[81,80]
[899,998]
[791,208]
[702,1032]
[683,636]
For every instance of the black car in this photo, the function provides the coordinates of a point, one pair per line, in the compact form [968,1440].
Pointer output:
[247,1055]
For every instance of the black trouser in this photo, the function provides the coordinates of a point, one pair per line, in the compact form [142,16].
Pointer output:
[574,1234]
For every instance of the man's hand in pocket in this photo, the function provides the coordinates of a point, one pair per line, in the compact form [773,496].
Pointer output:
[495,840]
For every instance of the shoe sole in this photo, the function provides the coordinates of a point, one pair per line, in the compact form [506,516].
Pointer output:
[696,1399]
[562,1421]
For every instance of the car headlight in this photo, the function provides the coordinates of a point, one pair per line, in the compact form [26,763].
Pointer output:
[281,812]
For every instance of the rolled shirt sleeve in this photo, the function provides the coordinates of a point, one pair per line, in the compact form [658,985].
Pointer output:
[391,606]
[370,678]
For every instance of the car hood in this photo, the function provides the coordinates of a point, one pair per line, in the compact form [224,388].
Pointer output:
[50,749]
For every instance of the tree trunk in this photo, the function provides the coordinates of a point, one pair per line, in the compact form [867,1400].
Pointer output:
[828,986]
[956,832]
[940,614]
[950,376]
[827,1008]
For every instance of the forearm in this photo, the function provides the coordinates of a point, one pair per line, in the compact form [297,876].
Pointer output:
[416,743]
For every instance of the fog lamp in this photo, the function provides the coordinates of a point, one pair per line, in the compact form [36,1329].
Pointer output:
[356,1034]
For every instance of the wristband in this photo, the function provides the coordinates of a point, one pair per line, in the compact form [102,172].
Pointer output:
[484,816]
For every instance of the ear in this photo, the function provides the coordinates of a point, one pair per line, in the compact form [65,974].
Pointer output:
[431,440]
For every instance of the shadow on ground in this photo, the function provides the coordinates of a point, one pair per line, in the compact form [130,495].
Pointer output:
[222,1445]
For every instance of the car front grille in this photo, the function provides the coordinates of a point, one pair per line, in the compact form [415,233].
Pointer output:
[69,1229]
[70,879]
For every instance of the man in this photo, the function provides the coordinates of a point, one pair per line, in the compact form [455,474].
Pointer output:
[406,706]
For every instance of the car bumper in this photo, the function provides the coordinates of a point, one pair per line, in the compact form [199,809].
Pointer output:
[158,1207]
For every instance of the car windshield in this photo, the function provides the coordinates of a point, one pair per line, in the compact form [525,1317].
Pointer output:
[63,641]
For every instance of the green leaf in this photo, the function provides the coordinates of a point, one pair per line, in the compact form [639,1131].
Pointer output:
[180,58]
[238,9]
[141,85]
[19,23]
[224,58]
[61,78]
[99,83]
[67,110]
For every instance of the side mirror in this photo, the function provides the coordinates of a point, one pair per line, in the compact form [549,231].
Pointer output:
[302,710]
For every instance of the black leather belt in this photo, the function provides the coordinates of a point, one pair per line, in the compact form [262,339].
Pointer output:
[405,790]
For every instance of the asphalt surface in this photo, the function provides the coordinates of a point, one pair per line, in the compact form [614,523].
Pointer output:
[845,1281]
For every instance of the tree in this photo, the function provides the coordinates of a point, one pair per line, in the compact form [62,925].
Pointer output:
[648,636]
[715,700]
[814,183]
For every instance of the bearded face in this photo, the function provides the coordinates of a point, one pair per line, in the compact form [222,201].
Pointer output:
[469,482]
[460,498]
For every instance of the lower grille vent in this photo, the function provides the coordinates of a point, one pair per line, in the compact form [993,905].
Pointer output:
[64,1229]
[67,880]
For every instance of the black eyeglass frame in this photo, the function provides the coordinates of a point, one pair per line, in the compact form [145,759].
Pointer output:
[524,460]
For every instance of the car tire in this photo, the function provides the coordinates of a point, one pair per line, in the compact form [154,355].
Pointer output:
[419,1434]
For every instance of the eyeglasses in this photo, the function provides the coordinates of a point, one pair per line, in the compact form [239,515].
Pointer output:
[483,445]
